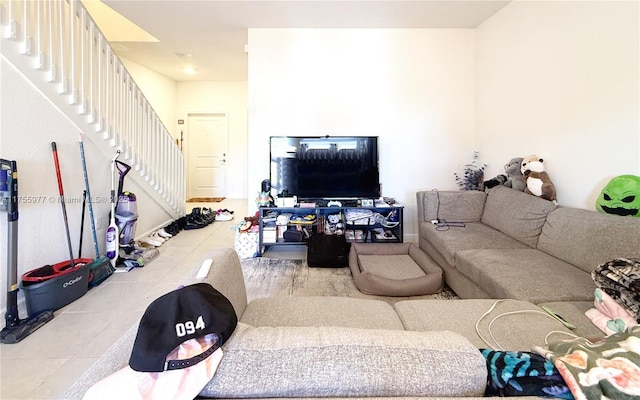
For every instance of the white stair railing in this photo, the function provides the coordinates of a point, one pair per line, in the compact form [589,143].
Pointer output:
[58,46]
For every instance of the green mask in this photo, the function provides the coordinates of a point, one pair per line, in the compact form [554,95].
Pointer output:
[621,196]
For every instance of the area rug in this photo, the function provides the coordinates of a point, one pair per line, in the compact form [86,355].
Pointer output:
[205,199]
[271,277]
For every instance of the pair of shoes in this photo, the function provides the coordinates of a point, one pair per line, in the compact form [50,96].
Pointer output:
[175,227]
[196,220]
[224,215]
[151,241]
[207,214]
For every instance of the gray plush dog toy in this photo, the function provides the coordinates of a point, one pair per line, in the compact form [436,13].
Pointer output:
[515,178]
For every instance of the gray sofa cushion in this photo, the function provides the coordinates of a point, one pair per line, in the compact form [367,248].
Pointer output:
[525,274]
[518,326]
[573,311]
[321,311]
[516,214]
[587,239]
[333,361]
[474,235]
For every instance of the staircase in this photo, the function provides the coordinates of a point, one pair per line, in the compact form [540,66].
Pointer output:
[59,48]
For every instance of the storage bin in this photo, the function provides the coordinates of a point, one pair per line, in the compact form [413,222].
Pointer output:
[246,244]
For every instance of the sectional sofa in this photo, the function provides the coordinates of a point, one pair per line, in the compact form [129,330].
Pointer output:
[506,244]
[304,347]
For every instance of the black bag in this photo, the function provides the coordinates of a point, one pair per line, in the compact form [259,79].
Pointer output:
[292,235]
[330,251]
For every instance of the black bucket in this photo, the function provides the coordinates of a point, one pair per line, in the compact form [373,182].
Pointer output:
[57,290]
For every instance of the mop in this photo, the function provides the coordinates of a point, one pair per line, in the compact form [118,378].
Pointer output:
[15,329]
[112,235]
[101,268]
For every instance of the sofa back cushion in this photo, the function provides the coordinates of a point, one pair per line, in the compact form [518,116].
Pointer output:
[517,214]
[587,238]
[458,205]
[326,361]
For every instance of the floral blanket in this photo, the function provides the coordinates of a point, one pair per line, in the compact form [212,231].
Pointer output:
[608,315]
[607,369]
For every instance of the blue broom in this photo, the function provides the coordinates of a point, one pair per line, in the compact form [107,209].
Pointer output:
[100,268]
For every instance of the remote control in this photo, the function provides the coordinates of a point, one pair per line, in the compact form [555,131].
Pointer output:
[558,317]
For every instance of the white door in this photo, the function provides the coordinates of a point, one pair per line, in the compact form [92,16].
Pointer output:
[207,155]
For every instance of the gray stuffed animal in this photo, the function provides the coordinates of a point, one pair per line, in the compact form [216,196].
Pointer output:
[515,178]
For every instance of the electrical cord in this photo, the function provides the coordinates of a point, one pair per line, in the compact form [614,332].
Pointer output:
[497,344]
[443,224]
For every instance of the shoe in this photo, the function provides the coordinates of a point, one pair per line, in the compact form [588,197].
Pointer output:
[172,229]
[194,222]
[208,215]
[150,241]
[164,234]
[205,218]
[182,222]
[224,216]
[155,236]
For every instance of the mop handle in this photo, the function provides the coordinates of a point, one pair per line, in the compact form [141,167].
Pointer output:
[86,184]
[57,164]
[64,208]
[113,183]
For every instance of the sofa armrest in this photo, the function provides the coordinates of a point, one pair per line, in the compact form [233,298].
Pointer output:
[225,275]
[452,205]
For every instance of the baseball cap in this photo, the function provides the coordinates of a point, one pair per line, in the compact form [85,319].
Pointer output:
[177,347]
[187,313]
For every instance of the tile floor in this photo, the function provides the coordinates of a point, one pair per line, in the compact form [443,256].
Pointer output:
[46,363]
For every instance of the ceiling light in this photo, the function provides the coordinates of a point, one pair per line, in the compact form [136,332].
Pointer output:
[189,70]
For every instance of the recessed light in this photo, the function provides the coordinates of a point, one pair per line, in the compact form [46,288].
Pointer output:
[189,70]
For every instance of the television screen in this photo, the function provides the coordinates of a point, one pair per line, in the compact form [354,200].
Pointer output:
[327,167]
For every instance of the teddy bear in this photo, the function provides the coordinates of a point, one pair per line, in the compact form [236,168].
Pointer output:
[334,224]
[536,178]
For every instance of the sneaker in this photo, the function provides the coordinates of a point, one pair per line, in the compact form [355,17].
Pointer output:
[194,222]
[164,234]
[150,241]
[224,216]
[156,236]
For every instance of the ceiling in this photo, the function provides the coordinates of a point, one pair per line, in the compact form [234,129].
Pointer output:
[210,36]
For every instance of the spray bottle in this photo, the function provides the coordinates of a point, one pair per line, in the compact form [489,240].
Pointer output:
[112,230]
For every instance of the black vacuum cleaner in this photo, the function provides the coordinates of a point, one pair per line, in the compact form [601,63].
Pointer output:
[15,329]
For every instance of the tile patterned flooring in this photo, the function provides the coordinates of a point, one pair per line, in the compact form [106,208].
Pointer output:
[46,363]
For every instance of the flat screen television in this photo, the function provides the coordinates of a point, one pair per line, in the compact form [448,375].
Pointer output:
[324,167]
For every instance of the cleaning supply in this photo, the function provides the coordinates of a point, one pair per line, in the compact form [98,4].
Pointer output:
[126,210]
[54,148]
[112,230]
[15,328]
[101,267]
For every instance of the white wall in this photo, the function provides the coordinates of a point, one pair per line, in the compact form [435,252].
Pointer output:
[412,88]
[159,90]
[561,80]
[28,125]
[219,97]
